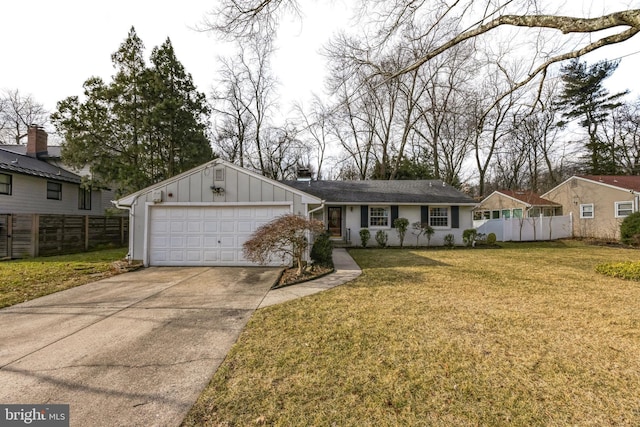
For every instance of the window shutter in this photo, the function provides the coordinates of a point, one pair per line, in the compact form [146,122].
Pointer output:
[394,215]
[364,216]
[455,216]
[424,214]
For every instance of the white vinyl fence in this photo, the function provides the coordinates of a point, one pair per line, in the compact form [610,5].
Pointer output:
[526,229]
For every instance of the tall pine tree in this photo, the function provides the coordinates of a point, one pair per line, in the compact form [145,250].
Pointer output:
[585,98]
[148,124]
[179,115]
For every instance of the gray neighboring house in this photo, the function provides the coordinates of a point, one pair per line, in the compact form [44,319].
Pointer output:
[349,206]
[34,181]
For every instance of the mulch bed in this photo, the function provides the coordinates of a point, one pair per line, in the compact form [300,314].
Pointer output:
[289,276]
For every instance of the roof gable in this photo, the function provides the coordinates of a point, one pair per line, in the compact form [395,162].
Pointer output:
[624,182]
[384,191]
[527,197]
[129,199]
[616,182]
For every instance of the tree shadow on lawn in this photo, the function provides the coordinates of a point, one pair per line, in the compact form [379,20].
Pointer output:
[390,258]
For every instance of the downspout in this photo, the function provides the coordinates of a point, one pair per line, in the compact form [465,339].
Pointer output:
[131,209]
[309,214]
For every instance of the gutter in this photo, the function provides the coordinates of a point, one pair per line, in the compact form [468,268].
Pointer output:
[131,209]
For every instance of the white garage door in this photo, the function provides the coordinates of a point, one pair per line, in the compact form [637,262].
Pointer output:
[204,235]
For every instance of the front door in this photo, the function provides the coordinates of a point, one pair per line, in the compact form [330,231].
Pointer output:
[335,221]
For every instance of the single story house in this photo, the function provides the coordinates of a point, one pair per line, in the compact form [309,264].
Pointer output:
[33,181]
[515,204]
[598,204]
[204,215]
[350,206]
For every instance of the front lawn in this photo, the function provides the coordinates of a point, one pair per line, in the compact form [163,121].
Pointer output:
[523,335]
[26,279]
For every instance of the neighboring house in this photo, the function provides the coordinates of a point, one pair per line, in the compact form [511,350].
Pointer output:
[32,181]
[349,206]
[204,215]
[598,204]
[515,204]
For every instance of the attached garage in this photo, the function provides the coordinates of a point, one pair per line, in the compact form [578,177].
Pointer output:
[203,216]
[204,235]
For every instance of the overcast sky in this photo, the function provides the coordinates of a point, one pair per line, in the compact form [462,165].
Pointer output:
[50,47]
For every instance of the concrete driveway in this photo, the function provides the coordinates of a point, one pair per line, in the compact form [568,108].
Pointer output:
[132,350]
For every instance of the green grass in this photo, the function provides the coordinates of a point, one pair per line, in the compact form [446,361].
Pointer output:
[526,335]
[26,279]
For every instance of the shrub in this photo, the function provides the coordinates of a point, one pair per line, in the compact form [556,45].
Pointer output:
[624,270]
[401,225]
[491,238]
[449,240]
[365,235]
[381,238]
[469,236]
[322,250]
[630,230]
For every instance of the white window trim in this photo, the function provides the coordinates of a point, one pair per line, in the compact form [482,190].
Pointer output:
[441,227]
[380,227]
[593,211]
[617,208]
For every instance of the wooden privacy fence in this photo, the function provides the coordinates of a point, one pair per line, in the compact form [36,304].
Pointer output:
[31,235]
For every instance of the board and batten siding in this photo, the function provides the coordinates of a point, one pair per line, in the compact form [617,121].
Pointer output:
[194,187]
[29,196]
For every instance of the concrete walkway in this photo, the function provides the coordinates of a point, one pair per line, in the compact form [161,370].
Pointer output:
[346,270]
[137,349]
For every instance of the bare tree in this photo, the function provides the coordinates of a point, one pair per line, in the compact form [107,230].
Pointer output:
[316,126]
[623,133]
[238,18]
[245,104]
[17,113]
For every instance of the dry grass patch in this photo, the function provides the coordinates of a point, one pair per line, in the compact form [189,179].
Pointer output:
[26,279]
[524,335]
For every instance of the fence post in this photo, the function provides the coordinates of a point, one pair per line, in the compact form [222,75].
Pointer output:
[86,233]
[121,230]
[10,236]
[35,235]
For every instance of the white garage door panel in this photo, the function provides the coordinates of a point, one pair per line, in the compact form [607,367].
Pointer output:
[204,235]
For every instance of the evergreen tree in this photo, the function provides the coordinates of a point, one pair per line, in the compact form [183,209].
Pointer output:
[585,98]
[179,114]
[147,125]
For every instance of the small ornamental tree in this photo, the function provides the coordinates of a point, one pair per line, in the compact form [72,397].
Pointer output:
[401,225]
[282,237]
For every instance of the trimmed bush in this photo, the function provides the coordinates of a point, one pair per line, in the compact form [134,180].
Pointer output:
[382,238]
[491,239]
[469,236]
[322,250]
[449,240]
[630,230]
[365,235]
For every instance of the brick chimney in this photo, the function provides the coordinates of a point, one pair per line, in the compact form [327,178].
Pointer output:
[36,142]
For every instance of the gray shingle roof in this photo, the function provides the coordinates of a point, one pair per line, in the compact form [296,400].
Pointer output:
[398,191]
[10,161]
